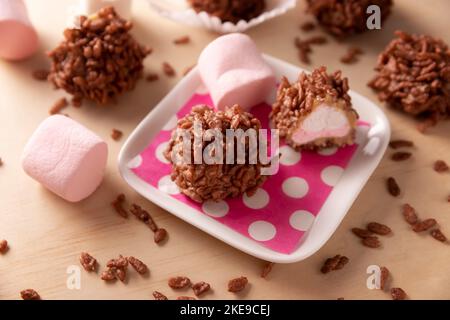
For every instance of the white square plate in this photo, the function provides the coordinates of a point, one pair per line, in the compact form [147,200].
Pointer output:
[355,176]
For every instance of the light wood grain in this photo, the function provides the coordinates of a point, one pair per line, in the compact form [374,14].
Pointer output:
[47,234]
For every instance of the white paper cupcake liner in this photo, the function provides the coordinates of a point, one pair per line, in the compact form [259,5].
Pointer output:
[88,7]
[180,11]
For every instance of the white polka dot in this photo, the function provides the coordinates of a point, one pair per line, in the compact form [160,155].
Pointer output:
[135,162]
[166,185]
[331,175]
[301,220]
[328,151]
[262,230]
[258,201]
[289,156]
[202,90]
[171,124]
[159,153]
[217,209]
[295,187]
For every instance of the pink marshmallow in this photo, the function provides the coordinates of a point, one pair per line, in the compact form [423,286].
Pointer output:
[66,158]
[324,122]
[18,39]
[234,71]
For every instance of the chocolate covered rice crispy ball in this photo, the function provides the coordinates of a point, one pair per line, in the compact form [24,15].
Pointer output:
[214,181]
[230,10]
[345,17]
[413,75]
[315,112]
[99,60]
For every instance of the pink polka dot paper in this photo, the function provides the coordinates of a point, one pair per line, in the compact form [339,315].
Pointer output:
[280,212]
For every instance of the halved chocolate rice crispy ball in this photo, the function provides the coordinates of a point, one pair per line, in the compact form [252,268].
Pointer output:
[219,181]
[413,75]
[230,10]
[315,112]
[345,17]
[99,60]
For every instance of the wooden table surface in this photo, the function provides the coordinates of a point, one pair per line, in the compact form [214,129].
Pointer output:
[47,234]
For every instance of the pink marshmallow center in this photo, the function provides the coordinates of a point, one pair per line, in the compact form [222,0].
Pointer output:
[323,122]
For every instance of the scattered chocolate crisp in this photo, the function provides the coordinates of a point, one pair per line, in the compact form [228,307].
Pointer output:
[393,188]
[440,166]
[182,40]
[361,233]
[378,228]
[304,51]
[438,235]
[351,56]
[99,60]
[30,294]
[267,269]
[144,216]
[108,274]
[118,205]
[88,262]
[168,70]
[116,134]
[201,288]
[424,225]
[237,284]
[414,76]
[58,106]
[160,235]
[152,77]
[304,47]
[396,144]
[159,296]
[367,235]
[40,74]
[308,26]
[121,273]
[3,246]
[384,277]
[398,294]
[232,11]
[330,264]
[179,282]
[138,265]
[346,17]
[401,156]
[341,263]
[371,242]
[410,215]
[185,298]
[120,262]
[116,269]
[335,263]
